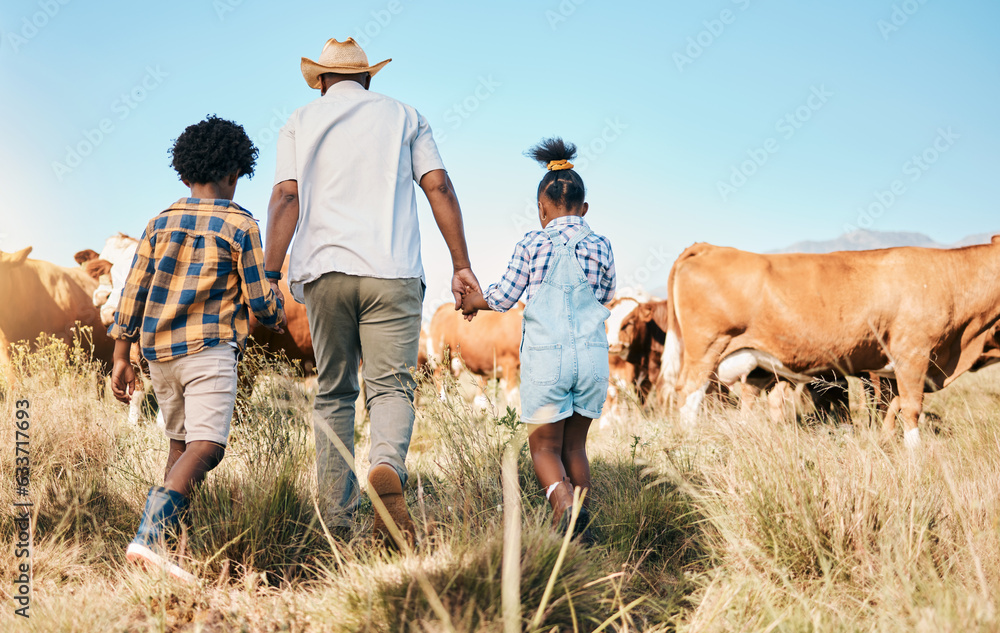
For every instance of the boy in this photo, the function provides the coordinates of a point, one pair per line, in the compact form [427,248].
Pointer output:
[198,267]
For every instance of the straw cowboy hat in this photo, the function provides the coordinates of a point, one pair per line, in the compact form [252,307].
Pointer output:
[345,58]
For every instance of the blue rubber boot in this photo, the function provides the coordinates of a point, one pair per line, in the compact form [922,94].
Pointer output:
[162,511]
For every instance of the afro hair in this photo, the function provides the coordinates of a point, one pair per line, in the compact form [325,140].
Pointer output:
[211,150]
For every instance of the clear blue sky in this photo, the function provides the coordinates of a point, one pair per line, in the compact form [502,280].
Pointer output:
[668,98]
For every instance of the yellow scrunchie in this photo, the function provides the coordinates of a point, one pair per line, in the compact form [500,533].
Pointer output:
[558,165]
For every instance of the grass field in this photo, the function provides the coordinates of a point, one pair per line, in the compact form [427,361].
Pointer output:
[744,525]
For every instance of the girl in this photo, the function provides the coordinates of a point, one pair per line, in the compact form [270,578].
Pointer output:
[566,272]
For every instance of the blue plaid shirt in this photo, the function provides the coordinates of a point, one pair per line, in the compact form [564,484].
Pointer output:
[530,263]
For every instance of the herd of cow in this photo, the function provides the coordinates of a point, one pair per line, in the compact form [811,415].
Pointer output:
[905,320]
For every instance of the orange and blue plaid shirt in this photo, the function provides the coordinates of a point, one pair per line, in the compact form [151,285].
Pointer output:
[198,267]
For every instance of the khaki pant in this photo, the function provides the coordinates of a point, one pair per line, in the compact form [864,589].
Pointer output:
[351,318]
[197,394]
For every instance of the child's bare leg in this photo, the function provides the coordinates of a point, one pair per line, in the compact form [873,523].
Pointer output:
[574,452]
[545,442]
[176,450]
[190,469]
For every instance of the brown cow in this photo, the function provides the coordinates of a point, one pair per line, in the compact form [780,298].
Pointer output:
[43,298]
[640,343]
[887,390]
[918,314]
[296,341]
[489,345]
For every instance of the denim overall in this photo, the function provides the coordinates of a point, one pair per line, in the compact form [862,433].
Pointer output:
[564,345]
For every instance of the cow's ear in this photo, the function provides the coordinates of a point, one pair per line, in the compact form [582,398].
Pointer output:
[82,257]
[97,267]
[661,314]
[15,259]
[996,239]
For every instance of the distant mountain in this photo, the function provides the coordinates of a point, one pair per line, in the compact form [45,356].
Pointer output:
[978,238]
[862,240]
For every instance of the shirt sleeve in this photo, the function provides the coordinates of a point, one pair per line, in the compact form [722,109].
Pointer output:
[286,169]
[608,276]
[132,305]
[503,295]
[256,291]
[423,150]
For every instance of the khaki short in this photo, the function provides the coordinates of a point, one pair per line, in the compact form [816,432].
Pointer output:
[197,394]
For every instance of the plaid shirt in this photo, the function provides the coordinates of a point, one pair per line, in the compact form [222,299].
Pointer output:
[530,263]
[198,265]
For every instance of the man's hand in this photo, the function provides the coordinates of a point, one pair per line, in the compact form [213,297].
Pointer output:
[463,283]
[123,380]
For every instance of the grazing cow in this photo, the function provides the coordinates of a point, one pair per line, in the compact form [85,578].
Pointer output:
[118,252]
[920,315]
[887,390]
[620,307]
[296,341]
[423,362]
[489,345]
[43,298]
[640,343]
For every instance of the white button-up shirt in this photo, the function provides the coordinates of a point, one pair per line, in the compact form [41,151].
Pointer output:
[355,155]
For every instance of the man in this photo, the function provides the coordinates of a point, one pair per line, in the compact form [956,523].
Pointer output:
[343,189]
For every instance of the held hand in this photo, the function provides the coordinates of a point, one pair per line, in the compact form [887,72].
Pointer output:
[461,282]
[277,292]
[281,306]
[468,309]
[472,303]
[123,381]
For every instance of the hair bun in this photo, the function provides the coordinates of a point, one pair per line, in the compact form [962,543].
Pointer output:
[553,150]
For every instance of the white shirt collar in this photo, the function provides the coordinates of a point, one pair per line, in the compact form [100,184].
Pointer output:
[344,85]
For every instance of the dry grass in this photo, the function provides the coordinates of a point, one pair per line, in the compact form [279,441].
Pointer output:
[745,526]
